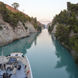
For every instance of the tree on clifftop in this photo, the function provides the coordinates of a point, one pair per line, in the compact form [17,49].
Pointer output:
[15,5]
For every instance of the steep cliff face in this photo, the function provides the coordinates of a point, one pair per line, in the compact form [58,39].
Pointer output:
[14,24]
[54,29]
[65,27]
[8,34]
[30,27]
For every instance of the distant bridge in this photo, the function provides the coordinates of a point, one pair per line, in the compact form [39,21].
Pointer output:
[45,21]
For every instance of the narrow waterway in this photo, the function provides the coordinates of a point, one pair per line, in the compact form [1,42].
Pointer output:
[48,59]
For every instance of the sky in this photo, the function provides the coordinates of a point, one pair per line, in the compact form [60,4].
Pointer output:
[43,10]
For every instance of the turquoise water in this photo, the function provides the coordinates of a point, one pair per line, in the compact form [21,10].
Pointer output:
[48,59]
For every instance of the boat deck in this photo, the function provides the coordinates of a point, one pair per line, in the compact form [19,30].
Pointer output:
[22,73]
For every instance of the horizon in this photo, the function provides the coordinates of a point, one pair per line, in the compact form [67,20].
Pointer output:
[44,10]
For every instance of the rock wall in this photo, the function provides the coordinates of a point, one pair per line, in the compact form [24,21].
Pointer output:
[30,27]
[8,34]
[54,29]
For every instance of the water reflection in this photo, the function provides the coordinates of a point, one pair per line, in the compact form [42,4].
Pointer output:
[20,45]
[65,60]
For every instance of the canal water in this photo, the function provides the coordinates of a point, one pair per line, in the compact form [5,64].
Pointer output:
[48,59]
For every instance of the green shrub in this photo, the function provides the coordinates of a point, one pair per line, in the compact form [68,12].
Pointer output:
[75,28]
[62,33]
[8,16]
[39,28]
[74,43]
[1,28]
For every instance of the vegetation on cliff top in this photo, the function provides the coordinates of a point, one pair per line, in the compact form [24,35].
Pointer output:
[14,17]
[67,26]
